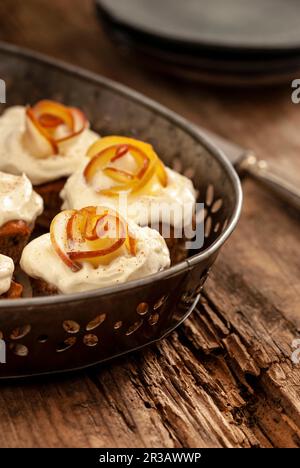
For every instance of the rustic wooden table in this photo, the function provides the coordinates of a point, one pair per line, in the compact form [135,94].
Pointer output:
[225,378]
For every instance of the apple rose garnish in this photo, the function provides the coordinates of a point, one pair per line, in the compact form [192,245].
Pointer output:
[93,234]
[132,166]
[52,127]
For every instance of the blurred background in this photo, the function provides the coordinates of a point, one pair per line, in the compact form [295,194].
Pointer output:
[232,42]
[192,56]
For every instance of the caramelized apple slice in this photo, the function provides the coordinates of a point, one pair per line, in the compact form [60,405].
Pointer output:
[117,141]
[104,155]
[93,234]
[51,127]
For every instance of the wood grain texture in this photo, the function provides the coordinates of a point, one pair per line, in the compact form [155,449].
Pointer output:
[225,378]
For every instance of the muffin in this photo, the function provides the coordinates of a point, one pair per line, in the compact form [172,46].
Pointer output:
[127,175]
[46,142]
[8,288]
[19,208]
[92,248]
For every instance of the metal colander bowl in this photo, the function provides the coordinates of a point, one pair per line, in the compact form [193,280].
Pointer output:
[65,332]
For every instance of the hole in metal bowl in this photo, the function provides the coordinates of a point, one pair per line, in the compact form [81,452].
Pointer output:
[133,328]
[20,332]
[153,319]
[19,349]
[43,338]
[208,225]
[95,322]
[66,344]
[70,326]
[217,227]
[118,325]
[160,302]
[217,205]
[142,308]
[189,172]
[209,195]
[90,340]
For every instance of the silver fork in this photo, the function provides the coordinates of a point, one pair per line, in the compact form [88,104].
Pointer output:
[267,174]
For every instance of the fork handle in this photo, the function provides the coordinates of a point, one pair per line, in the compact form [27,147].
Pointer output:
[269,176]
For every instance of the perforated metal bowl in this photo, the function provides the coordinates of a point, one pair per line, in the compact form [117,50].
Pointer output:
[65,332]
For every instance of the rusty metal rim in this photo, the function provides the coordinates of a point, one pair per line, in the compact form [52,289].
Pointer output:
[97,363]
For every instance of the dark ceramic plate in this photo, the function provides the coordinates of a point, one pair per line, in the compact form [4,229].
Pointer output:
[203,66]
[159,37]
[256,25]
[65,332]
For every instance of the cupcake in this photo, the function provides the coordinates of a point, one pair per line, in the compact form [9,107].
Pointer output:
[8,288]
[19,208]
[46,142]
[92,248]
[127,175]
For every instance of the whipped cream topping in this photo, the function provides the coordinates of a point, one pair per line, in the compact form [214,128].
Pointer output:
[18,201]
[172,204]
[6,272]
[39,260]
[16,158]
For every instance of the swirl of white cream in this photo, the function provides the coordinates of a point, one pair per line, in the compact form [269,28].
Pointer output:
[18,200]
[16,157]
[6,271]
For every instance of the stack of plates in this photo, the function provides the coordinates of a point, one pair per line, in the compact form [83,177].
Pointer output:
[218,41]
